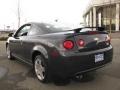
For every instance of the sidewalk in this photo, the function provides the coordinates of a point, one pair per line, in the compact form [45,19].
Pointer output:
[115,35]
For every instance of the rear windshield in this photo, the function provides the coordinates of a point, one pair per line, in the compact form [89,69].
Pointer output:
[86,30]
[48,28]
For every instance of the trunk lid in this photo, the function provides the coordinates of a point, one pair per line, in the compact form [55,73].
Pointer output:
[91,39]
[91,42]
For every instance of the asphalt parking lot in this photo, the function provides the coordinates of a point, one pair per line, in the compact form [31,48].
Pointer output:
[15,75]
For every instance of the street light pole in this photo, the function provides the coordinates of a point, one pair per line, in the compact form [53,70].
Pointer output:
[19,13]
[110,18]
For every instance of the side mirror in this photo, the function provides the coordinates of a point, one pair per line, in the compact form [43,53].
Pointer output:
[10,34]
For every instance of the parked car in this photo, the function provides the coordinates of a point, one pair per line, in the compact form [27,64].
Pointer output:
[56,51]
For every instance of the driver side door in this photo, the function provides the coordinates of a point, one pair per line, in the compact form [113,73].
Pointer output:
[17,43]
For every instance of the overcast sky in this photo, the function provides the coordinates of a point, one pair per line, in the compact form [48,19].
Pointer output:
[66,11]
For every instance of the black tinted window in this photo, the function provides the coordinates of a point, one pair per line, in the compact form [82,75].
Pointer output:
[35,31]
[23,30]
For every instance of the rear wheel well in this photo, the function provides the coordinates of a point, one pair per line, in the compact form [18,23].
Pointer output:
[34,54]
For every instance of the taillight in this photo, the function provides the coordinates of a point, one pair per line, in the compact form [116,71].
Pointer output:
[108,39]
[68,44]
[81,43]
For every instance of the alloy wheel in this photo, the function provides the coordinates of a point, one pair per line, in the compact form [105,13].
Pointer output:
[39,68]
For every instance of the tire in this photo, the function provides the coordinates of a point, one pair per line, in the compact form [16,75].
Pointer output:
[41,69]
[9,55]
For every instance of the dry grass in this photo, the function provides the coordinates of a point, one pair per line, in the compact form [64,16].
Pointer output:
[3,37]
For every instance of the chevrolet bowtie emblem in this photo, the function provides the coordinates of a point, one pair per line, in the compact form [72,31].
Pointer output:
[97,40]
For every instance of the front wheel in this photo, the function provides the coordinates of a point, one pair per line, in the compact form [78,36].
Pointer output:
[41,69]
[9,55]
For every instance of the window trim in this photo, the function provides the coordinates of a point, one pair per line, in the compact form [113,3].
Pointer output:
[16,33]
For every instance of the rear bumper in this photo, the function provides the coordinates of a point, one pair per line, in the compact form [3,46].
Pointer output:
[70,65]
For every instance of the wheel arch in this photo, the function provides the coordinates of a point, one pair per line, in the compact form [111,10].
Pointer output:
[39,50]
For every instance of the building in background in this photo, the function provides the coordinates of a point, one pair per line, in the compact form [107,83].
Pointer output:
[103,13]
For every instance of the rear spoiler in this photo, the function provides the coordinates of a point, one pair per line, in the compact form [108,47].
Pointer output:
[97,28]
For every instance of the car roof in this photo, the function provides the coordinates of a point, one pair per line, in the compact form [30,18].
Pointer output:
[36,23]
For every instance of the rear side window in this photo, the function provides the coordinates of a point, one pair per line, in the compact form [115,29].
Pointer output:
[35,31]
[48,28]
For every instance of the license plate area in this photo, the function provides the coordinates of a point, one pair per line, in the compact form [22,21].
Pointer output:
[99,58]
